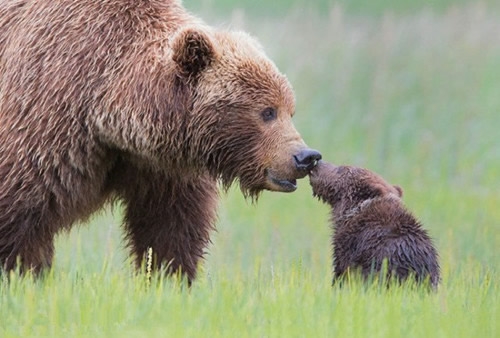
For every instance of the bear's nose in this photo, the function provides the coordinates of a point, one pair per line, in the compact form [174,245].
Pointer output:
[307,159]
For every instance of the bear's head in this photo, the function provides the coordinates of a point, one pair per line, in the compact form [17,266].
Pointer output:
[241,110]
[345,187]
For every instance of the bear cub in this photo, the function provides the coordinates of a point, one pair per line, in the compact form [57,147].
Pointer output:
[371,224]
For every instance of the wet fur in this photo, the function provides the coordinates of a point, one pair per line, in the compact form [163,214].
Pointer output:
[371,224]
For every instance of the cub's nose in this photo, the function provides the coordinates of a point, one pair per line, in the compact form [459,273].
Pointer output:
[307,159]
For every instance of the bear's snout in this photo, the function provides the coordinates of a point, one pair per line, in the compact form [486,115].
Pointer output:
[306,159]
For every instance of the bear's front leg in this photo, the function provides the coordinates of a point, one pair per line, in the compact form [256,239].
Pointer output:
[173,217]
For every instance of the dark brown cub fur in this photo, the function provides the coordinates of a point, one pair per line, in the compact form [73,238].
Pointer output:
[371,224]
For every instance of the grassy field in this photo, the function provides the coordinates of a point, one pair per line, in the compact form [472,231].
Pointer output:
[412,92]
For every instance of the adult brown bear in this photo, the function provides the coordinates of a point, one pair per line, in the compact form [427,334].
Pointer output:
[135,100]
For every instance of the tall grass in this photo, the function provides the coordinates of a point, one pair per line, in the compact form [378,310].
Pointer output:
[290,302]
[413,96]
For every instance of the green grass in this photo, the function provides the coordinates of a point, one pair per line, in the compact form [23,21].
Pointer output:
[292,302]
[413,95]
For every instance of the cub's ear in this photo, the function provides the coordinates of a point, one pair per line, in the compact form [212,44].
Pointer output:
[193,51]
[399,190]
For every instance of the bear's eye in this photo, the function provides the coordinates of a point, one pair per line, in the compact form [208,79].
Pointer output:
[269,114]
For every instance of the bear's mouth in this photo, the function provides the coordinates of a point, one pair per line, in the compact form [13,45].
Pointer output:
[280,184]
[284,185]
[276,182]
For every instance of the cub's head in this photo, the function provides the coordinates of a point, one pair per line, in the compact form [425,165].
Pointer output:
[345,187]
[241,110]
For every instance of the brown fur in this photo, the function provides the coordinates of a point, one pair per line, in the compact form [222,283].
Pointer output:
[371,224]
[138,101]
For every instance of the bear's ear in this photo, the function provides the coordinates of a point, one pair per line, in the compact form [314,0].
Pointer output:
[399,190]
[193,51]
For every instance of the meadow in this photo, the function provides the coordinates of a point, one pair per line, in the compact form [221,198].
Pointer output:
[409,91]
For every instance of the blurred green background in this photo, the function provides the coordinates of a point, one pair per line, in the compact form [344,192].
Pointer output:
[263,8]
[410,89]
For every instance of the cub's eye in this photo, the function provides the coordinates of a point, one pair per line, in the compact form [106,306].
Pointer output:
[269,114]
